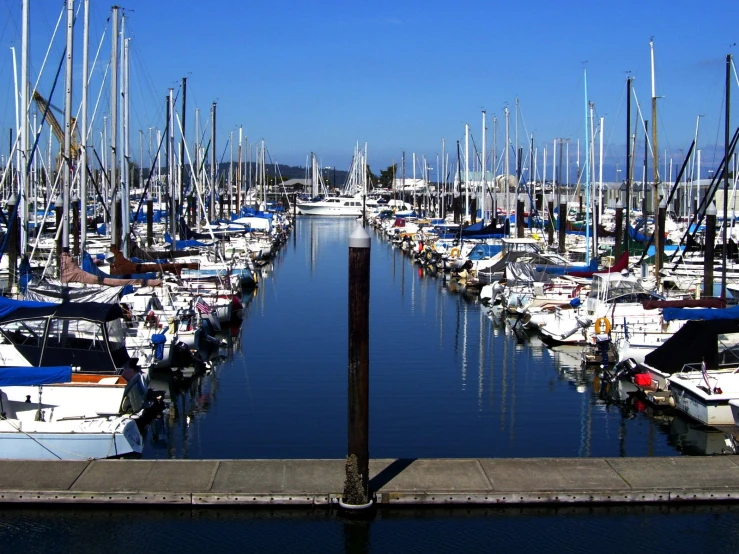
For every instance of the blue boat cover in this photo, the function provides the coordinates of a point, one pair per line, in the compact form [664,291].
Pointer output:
[668,314]
[158,340]
[31,376]
[184,243]
[8,305]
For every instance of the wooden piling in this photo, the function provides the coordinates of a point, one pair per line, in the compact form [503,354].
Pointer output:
[359,295]
[550,231]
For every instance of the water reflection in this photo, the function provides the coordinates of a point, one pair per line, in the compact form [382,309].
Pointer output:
[448,378]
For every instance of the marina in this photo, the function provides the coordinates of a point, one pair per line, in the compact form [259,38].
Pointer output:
[512,325]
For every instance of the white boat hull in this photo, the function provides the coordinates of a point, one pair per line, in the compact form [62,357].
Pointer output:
[69,440]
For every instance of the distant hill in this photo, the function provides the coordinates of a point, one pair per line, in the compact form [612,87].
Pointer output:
[293,172]
[285,172]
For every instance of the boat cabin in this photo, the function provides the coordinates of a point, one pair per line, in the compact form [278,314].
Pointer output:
[88,335]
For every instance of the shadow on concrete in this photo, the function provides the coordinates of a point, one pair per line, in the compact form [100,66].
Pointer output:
[390,473]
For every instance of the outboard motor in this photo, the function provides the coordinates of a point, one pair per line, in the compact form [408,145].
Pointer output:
[582,323]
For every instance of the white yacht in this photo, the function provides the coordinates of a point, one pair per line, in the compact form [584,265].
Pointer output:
[338,206]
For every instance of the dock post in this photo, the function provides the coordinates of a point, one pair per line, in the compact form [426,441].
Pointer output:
[149,222]
[562,219]
[356,485]
[708,249]
[550,208]
[619,229]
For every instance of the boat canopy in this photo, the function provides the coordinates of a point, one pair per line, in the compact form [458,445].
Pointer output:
[694,342]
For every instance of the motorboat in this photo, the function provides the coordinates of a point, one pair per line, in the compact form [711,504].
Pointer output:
[51,413]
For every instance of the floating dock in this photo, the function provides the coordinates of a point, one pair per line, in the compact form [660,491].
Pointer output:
[410,482]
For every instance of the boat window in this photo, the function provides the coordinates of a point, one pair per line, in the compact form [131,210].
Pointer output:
[77,334]
[27,333]
[728,346]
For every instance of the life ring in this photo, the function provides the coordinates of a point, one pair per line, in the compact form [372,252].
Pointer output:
[602,326]
[454,253]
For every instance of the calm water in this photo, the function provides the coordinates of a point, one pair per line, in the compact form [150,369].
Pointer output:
[637,529]
[446,381]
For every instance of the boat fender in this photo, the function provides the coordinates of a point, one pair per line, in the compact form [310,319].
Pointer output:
[602,326]
[454,253]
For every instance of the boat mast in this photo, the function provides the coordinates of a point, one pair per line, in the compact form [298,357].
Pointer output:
[67,129]
[482,201]
[83,138]
[600,170]
[114,129]
[628,165]
[507,173]
[172,208]
[466,170]
[22,206]
[494,207]
[724,253]
[125,159]
[587,169]
[655,173]
[181,207]
[239,175]
[213,161]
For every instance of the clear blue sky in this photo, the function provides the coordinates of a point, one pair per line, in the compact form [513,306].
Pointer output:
[322,76]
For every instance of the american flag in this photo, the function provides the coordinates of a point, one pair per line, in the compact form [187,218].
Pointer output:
[203,307]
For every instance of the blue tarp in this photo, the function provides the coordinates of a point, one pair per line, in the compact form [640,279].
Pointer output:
[636,235]
[669,249]
[192,243]
[158,340]
[8,305]
[31,376]
[700,313]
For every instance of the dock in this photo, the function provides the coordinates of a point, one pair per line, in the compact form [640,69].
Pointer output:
[399,482]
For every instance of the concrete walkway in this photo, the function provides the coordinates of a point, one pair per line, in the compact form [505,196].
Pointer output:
[396,482]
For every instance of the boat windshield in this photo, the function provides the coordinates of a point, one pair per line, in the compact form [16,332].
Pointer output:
[77,334]
[28,332]
[614,286]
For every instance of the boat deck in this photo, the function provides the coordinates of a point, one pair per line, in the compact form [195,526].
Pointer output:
[396,482]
